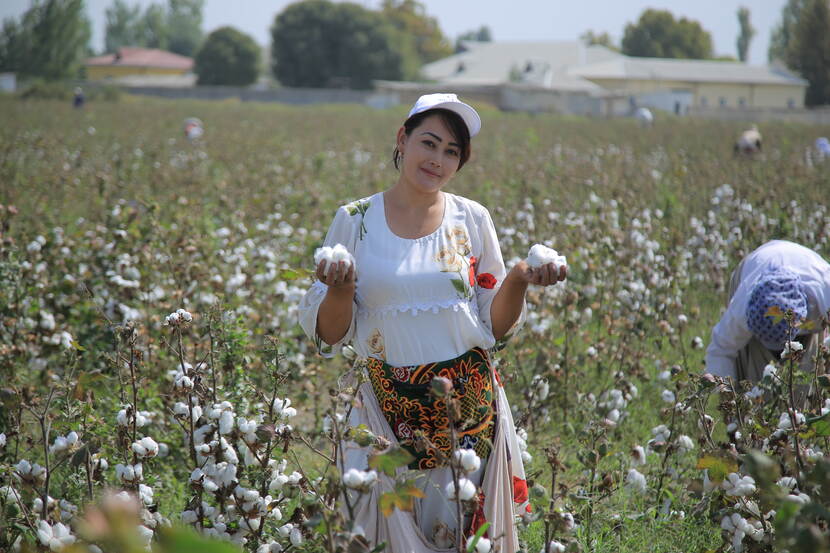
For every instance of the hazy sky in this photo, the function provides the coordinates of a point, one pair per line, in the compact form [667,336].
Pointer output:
[507,19]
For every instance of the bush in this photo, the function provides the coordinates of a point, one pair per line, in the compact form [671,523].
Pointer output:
[228,57]
[47,90]
[63,90]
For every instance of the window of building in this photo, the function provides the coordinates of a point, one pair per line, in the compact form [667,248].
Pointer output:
[722,101]
[790,103]
[704,101]
[742,102]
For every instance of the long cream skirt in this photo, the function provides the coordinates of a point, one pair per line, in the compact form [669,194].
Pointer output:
[402,530]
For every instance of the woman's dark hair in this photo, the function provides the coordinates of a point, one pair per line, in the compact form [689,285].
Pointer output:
[453,121]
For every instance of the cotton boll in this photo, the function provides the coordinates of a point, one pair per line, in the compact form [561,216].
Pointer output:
[635,481]
[787,482]
[541,255]
[482,546]
[340,253]
[638,455]
[468,460]
[736,485]
[332,255]
[685,444]
[323,254]
[467,490]
[554,547]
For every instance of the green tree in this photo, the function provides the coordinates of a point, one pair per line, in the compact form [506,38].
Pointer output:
[747,32]
[184,26]
[658,34]
[15,44]
[50,41]
[781,33]
[228,57]
[808,51]
[153,30]
[482,34]
[317,43]
[410,18]
[602,39]
[123,26]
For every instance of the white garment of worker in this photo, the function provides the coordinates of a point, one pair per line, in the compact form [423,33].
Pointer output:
[732,333]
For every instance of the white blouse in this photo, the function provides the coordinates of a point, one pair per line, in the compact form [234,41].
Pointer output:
[417,300]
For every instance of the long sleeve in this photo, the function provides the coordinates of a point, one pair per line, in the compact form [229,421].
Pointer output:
[490,274]
[729,336]
[343,231]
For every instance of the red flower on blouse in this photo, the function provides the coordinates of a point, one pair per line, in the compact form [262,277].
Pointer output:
[486,280]
[519,490]
[472,272]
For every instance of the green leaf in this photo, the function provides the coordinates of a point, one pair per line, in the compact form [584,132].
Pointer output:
[185,540]
[389,460]
[362,436]
[775,313]
[460,286]
[821,426]
[719,467]
[806,324]
[78,346]
[402,497]
[294,274]
[811,420]
[480,532]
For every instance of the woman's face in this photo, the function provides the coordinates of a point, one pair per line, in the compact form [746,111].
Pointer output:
[430,155]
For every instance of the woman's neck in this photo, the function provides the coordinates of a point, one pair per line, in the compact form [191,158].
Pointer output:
[406,198]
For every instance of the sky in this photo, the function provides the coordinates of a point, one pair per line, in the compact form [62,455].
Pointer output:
[508,20]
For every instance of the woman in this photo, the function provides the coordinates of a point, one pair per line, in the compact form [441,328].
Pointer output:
[778,274]
[428,295]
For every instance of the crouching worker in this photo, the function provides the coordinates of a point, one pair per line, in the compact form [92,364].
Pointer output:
[778,274]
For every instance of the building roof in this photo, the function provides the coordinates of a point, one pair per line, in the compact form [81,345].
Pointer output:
[630,68]
[539,63]
[143,57]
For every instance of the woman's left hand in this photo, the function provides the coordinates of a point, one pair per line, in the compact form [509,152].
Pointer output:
[545,275]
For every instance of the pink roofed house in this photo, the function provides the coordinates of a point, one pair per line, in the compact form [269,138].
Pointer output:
[129,61]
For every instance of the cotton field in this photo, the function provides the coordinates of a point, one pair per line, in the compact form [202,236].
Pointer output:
[154,376]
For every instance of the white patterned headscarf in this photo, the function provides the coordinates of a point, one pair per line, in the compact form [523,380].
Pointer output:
[781,289]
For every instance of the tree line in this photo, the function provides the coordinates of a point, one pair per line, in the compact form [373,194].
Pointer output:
[319,43]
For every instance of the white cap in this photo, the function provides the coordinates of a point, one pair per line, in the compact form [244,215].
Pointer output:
[452,103]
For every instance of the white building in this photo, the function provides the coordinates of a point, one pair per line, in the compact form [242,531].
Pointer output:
[572,77]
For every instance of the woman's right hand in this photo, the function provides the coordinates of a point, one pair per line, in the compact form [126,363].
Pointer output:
[339,276]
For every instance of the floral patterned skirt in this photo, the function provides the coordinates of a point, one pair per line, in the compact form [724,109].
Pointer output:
[419,420]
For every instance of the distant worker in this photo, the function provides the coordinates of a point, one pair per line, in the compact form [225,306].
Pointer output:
[749,143]
[78,99]
[644,116]
[823,147]
[779,274]
[193,128]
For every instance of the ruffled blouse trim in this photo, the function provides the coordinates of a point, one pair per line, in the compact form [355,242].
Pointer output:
[456,304]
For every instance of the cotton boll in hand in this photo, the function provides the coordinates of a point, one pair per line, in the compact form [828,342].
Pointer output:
[542,255]
[332,255]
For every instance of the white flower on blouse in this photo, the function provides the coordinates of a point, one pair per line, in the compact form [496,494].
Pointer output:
[375,344]
[460,239]
[450,260]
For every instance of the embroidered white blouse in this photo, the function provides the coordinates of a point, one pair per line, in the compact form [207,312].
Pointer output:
[417,300]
